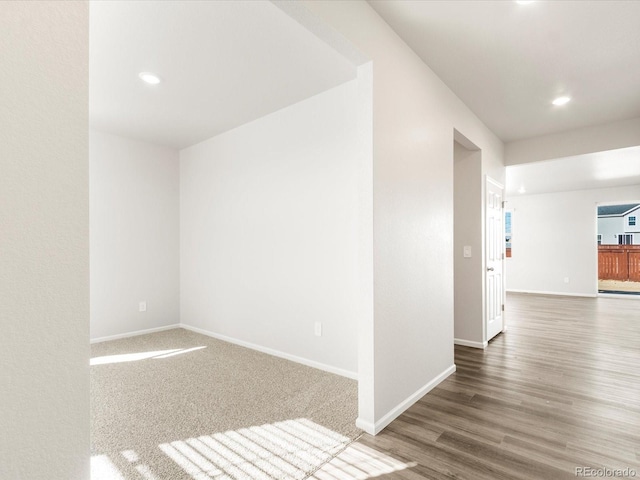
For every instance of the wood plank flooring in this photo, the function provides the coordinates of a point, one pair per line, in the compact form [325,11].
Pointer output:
[560,390]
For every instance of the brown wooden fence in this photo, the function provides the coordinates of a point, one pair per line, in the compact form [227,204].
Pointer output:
[619,262]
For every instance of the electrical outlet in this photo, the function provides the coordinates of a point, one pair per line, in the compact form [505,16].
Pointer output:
[142,306]
[466,251]
[317,329]
[566,279]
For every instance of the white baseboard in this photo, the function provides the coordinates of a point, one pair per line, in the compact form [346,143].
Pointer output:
[133,334]
[275,353]
[374,429]
[368,427]
[562,294]
[470,343]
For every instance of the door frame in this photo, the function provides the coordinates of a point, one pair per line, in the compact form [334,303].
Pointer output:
[485,313]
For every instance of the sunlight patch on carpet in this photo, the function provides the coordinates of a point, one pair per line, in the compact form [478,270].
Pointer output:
[291,449]
[287,450]
[102,468]
[134,357]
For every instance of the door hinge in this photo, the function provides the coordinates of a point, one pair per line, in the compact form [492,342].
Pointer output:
[504,204]
[503,307]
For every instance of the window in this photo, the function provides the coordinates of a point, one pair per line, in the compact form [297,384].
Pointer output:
[507,231]
[599,239]
[626,239]
[632,221]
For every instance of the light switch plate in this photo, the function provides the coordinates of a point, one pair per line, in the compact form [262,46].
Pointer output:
[466,251]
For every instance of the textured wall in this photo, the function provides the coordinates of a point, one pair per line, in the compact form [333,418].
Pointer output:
[625,133]
[468,272]
[269,231]
[44,241]
[554,236]
[414,117]
[134,235]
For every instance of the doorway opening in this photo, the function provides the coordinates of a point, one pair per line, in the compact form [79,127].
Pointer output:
[618,239]
[478,248]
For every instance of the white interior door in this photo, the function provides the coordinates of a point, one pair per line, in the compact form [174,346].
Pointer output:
[494,258]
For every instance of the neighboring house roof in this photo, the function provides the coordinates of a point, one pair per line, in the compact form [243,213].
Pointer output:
[616,210]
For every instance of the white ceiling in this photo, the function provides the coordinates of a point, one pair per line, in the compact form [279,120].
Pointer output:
[615,168]
[223,64]
[508,61]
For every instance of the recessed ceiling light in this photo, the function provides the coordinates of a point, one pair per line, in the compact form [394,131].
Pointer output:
[524,2]
[150,78]
[561,101]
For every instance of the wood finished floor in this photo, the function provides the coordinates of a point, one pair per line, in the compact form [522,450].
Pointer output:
[559,390]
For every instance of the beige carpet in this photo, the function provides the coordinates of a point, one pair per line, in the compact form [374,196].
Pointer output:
[178,405]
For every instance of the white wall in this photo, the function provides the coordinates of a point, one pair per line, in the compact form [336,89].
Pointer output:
[414,117]
[44,241]
[468,272]
[599,138]
[269,231]
[134,225]
[554,236]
